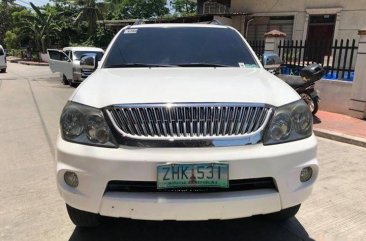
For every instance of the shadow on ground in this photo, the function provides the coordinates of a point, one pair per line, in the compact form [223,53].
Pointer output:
[256,229]
[316,120]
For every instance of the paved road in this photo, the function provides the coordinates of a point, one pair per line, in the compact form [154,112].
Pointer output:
[31,99]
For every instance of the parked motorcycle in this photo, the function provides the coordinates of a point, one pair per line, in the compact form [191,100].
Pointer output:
[305,86]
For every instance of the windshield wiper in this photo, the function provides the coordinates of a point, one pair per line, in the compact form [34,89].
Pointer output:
[202,65]
[138,65]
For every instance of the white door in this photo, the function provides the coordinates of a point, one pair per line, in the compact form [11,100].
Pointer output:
[60,62]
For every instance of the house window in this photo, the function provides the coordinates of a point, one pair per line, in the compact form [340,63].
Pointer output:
[261,25]
[213,6]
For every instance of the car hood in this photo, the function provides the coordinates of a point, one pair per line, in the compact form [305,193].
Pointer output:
[171,85]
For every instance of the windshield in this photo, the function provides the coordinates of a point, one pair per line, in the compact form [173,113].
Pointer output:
[79,54]
[179,46]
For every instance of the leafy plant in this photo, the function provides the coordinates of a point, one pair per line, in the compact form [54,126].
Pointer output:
[11,40]
[40,25]
[184,7]
[137,9]
[89,12]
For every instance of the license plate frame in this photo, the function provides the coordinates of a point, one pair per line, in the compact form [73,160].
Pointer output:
[205,175]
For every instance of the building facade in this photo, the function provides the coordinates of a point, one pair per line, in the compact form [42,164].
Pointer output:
[325,20]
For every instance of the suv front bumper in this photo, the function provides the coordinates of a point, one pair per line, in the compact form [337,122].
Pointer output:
[96,166]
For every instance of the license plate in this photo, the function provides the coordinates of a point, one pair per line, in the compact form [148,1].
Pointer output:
[193,175]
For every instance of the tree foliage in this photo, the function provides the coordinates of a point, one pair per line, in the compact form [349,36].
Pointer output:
[11,40]
[90,12]
[6,9]
[40,26]
[70,22]
[137,9]
[184,7]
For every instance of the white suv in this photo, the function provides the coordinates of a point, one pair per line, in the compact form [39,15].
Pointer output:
[2,60]
[182,122]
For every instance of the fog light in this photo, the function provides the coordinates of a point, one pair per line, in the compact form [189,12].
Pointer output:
[71,179]
[306,174]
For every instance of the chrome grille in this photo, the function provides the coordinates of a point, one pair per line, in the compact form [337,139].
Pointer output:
[187,121]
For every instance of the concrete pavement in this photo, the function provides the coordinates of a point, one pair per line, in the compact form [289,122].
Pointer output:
[340,127]
[31,208]
[31,100]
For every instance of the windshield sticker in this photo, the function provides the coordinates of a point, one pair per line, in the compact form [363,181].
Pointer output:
[241,65]
[131,30]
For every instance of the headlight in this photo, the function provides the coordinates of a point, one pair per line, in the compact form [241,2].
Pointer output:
[86,125]
[290,122]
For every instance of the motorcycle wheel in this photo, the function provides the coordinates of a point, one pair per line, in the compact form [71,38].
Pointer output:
[313,105]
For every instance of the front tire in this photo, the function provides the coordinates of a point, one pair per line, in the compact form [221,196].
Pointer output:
[312,103]
[73,84]
[65,81]
[284,214]
[316,107]
[82,218]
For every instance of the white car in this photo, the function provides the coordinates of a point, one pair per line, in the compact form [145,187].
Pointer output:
[2,60]
[182,122]
[67,63]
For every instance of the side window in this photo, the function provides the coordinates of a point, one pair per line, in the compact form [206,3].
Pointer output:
[70,55]
[55,55]
[58,55]
[1,51]
[64,57]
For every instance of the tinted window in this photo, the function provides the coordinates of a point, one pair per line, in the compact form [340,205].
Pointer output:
[56,55]
[1,51]
[79,54]
[179,45]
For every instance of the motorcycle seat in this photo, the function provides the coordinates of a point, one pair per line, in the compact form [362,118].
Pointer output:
[295,82]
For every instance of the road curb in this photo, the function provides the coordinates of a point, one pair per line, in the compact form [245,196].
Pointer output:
[33,63]
[357,141]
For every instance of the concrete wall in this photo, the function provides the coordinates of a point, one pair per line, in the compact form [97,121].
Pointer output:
[352,15]
[334,95]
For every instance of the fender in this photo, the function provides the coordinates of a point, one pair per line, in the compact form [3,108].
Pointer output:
[314,95]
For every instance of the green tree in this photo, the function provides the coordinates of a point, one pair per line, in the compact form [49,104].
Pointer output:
[90,12]
[184,7]
[66,13]
[5,17]
[133,9]
[11,40]
[40,25]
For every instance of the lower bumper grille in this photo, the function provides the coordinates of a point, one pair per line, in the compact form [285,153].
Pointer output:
[235,185]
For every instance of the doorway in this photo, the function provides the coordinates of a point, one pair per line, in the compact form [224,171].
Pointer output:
[320,36]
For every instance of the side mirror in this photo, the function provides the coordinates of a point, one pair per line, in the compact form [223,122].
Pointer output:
[312,72]
[88,62]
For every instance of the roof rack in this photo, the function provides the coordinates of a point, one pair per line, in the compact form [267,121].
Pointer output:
[215,21]
[139,21]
